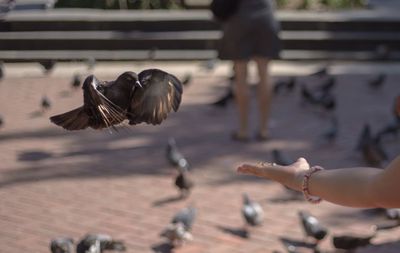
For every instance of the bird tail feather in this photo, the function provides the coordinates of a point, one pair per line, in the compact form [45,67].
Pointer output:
[76,119]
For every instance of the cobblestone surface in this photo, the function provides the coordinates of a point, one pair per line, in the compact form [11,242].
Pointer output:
[57,183]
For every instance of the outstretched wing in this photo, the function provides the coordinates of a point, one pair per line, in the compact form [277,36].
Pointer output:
[160,93]
[76,119]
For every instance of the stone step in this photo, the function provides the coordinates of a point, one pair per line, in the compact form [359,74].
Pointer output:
[167,55]
[188,40]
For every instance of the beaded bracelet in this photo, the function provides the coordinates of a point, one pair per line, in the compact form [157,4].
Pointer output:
[306,192]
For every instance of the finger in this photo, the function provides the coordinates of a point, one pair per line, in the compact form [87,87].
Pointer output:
[249,169]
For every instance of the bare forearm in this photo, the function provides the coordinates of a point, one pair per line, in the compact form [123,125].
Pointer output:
[355,187]
[348,187]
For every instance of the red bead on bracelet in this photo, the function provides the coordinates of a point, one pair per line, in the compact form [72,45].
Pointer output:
[305,189]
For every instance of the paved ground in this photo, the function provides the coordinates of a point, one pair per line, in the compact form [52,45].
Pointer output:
[58,183]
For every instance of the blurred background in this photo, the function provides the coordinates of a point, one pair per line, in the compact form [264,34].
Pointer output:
[56,184]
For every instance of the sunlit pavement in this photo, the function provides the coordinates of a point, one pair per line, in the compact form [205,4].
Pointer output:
[57,183]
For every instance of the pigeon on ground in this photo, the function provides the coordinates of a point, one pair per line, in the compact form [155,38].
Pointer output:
[327,85]
[252,212]
[396,108]
[62,245]
[76,81]
[393,213]
[174,156]
[187,79]
[331,133]
[280,158]
[45,103]
[98,243]
[145,97]
[1,71]
[47,65]
[184,182]
[176,234]
[224,99]
[287,85]
[364,137]
[391,128]
[323,71]
[377,81]
[90,63]
[312,227]
[373,152]
[351,242]
[185,216]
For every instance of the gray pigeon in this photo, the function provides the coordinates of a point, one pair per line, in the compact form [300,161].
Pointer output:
[252,211]
[176,234]
[98,243]
[174,156]
[62,245]
[312,227]
[185,216]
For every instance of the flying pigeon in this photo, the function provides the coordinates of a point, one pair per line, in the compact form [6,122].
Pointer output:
[145,97]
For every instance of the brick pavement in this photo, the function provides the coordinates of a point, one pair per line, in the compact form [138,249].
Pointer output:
[56,183]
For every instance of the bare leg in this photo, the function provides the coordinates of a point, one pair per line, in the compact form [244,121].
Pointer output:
[241,91]
[264,95]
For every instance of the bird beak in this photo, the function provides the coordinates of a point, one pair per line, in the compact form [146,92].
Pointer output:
[139,84]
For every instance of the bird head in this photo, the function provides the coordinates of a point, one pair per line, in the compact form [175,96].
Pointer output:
[246,199]
[130,78]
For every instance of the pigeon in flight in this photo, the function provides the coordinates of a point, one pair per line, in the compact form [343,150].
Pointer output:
[62,245]
[98,243]
[252,211]
[145,97]
[312,227]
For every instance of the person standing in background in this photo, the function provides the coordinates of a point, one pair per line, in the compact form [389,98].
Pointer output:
[251,33]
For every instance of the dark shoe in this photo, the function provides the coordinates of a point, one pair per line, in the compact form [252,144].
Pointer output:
[236,137]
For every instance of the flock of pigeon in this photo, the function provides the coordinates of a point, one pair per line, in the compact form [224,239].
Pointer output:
[151,95]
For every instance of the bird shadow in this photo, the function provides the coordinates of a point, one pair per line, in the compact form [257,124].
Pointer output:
[168,200]
[284,198]
[297,243]
[36,114]
[162,248]
[239,232]
[65,93]
[35,155]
